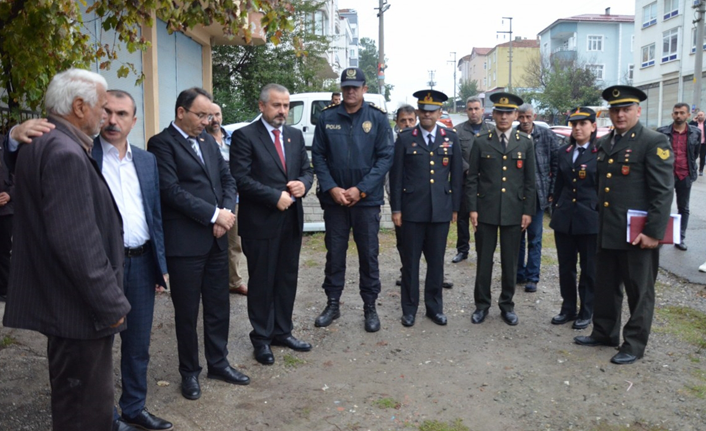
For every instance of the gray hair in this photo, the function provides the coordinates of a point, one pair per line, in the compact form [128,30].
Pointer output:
[70,84]
[474,99]
[525,107]
[265,92]
[404,109]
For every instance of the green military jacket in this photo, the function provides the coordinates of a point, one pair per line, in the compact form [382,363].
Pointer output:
[466,137]
[500,185]
[636,174]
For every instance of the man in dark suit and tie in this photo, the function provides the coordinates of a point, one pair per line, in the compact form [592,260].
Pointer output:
[67,268]
[198,197]
[131,174]
[273,173]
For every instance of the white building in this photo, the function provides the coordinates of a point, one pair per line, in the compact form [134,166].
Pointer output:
[665,43]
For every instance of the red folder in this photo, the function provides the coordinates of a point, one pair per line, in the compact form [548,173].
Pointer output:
[637,220]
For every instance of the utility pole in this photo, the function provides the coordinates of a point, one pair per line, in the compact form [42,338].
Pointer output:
[381,36]
[700,7]
[509,78]
[454,63]
[431,79]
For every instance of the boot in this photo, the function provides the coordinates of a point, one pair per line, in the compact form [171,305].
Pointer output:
[330,313]
[372,322]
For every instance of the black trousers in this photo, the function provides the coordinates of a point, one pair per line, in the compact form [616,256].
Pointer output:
[5,251]
[463,227]
[683,190]
[430,239]
[81,376]
[398,238]
[273,268]
[702,157]
[196,279]
[569,249]
[486,242]
[636,271]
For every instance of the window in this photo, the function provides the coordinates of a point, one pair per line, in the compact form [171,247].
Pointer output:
[670,41]
[649,15]
[597,70]
[648,55]
[693,41]
[296,109]
[671,8]
[595,43]
[316,107]
[631,72]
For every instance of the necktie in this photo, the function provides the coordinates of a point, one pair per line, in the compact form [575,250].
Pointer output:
[196,148]
[278,146]
[616,139]
[503,141]
[430,140]
[580,152]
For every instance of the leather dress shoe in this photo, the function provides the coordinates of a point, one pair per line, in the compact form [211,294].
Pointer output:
[447,284]
[119,425]
[510,317]
[531,286]
[372,320]
[190,388]
[459,257]
[228,375]
[398,282]
[147,421]
[263,355]
[479,315]
[241,290]
[621,358]
[408,320]
[562,318]
[681,246]
[438,318]
[581,323]
[292,343]
[587,340]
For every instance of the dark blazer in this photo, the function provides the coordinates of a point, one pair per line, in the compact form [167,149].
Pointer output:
[146,168]
[261,178]
[545,147]
[637,174]
[575,206]
[7,183]
[500,185]
[426,181]
[66,276]
[466,136]
[190,191]
[693,147]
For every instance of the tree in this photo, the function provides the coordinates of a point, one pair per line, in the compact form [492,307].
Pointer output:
[467,89]
[39,38]
[562,84]
[298,62]
[368,57]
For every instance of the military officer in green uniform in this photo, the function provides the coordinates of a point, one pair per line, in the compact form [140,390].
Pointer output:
[500,187]
[425,196]
[635,172]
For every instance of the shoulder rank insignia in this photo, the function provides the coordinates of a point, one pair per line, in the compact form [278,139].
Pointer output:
[378,108]
[662,154]
[333,105]
[571,147]
[415,132]
[442,131]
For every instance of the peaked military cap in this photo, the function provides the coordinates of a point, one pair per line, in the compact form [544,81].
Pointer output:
[583,113]
[430,100]
[352,77]
[623,95]
[506,102]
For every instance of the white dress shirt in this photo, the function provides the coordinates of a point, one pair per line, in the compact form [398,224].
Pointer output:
[576,150]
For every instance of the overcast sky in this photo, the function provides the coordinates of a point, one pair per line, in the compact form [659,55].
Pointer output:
[420,35]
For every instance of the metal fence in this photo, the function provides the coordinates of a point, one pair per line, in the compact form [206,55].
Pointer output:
[6,121]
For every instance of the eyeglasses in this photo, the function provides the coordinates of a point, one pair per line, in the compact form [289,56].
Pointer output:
[200,115]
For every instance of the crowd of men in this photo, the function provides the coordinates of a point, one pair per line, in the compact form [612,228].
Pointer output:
[120,224]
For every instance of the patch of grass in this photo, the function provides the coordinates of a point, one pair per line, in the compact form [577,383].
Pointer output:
[310,263]
[7,341]
[637,426]
[292,361]
[387,240]
[661,287]
[314,242]
[305,412]
[387,403]
[548,260]
[456,425]
[685,323]
[699,391]
[695,359]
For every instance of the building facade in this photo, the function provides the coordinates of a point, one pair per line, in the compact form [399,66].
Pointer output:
[665,47]
[474,67]
[524,53]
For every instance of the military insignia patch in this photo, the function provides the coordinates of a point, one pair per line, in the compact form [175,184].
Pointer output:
[520,163]
[350,73]
[414,144]
[445,161]
[662,154]
[582,174]
[625,170]
[367,126]
[616,93]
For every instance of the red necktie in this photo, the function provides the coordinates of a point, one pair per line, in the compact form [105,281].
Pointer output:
[278,145]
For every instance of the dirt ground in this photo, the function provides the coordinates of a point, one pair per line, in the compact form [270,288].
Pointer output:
[427,377]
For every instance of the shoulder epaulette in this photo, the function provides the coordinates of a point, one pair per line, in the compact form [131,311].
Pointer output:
[378,108]
[487,132]
[333,105]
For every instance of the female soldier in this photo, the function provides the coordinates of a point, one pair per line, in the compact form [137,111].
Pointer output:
[575,218]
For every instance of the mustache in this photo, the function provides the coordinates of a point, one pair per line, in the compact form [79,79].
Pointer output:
[112,128]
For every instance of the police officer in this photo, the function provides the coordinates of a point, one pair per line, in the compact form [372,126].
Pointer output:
[634,173]
[425,196]
[352,152]
[575,218]
[500,187]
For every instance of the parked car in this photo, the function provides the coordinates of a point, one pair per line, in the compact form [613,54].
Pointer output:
[446,119]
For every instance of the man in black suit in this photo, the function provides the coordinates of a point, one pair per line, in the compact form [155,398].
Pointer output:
[425,195]
[70,287]
[6,212]
[198,197]
[273,173]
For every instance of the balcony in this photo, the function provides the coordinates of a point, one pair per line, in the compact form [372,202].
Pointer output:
[564,54]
